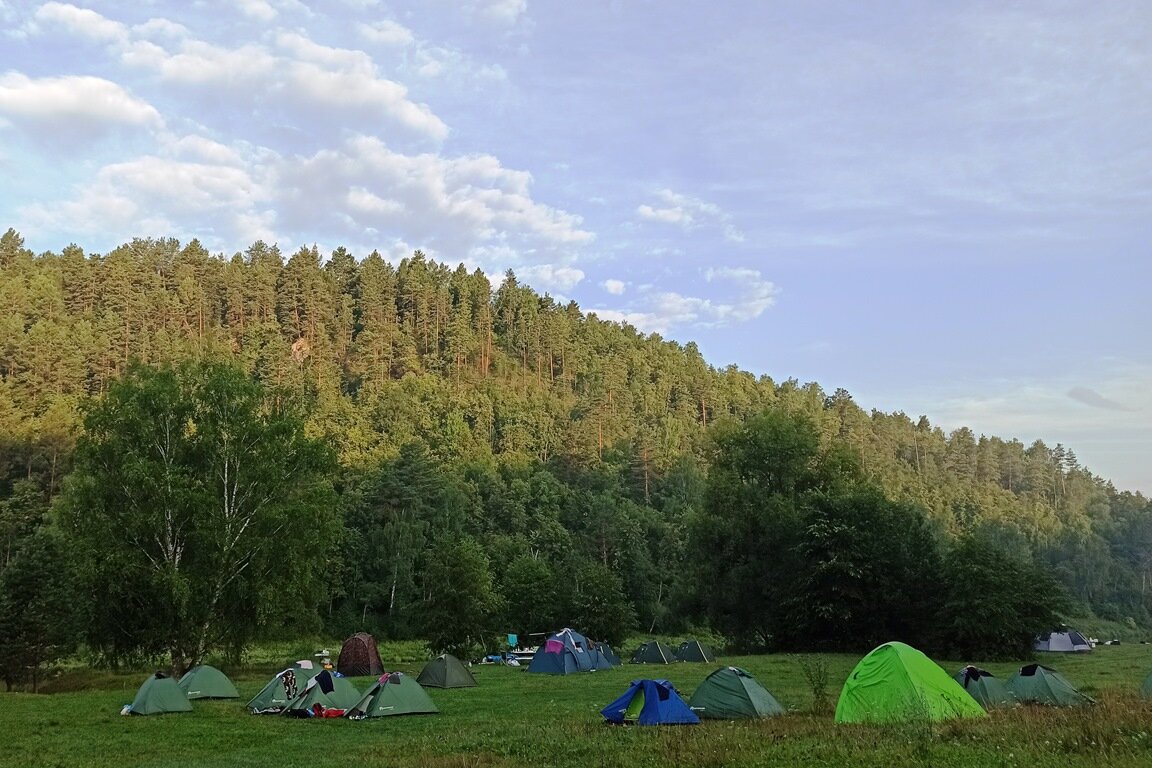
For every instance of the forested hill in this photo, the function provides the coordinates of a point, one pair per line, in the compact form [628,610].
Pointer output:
[491,382]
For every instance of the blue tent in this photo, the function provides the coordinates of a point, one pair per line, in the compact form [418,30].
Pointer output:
[568,651]
[650,702]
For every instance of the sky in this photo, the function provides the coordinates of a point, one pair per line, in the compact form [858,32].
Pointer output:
[943,208]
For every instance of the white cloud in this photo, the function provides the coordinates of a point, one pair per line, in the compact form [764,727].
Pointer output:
[505,11]
[260,10]
[551,277]
[60,101]
[82,21]
[614,287]
[387,32]
[688,213]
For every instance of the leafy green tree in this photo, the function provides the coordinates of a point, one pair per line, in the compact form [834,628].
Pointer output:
[40,618]
[994,603]
[530,594]
[460,611]
[599,607]
[205,512]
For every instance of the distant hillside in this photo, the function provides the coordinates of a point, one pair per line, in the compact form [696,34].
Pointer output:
[388,355]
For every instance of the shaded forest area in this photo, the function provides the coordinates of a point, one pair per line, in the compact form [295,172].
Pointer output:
[493,442]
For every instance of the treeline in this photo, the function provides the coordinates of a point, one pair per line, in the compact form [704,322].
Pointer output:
[565,457]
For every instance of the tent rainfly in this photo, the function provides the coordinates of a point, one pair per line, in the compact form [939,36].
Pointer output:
[324,692]
[1064,641]
[1037,684]
[693,650]
[158,695]
[393,694]
[568,651]
[731,693]
[446,671]
[206,682]
[985,687]
[650,702]
[653,652]
[897,683]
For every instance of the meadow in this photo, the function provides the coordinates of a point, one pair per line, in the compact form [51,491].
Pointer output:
[516,719]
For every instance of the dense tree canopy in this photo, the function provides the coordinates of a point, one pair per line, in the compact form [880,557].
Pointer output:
[611,463]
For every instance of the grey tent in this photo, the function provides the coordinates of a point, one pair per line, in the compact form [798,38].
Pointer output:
[446,671]
[1063,641]
[731,693]
[205,682]
[158,695]
[653,652]
[693,650]
[1037,684]
[985,687]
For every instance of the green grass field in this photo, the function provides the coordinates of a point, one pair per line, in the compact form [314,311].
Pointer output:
[517,719]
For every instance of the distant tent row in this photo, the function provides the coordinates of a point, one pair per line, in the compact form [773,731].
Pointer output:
[655,652]
[161,694]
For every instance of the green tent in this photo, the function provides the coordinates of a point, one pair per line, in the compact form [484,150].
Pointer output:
[731,693]
[394,694]
[446,671]
[985,687]
[896,683]
[327,690]
[205,682]
[281,689]
[1146,688]
[1037,684]
[653,652]
[692,650]
[158,695]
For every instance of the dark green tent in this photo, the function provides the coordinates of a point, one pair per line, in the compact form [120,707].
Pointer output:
[692,650]
[897,683]
[281,689]
[158,695]
[446,671]
[731,693]
[653,652]
[985,687]
[394,694]
[327,690]
[205,682]
[1146,688]
[1037,684]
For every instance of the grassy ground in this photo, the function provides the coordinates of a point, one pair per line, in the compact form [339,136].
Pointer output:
[516,719]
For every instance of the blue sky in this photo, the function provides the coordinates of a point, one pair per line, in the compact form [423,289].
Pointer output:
[944,208]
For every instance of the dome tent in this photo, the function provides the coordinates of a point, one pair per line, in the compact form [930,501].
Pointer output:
[206,682]
[653,652]
[732,693]
[985,687]
[1037,684]
[446,671]
[650,702]
[327,690]
[694,650]
[393,694]
[568,651]
[1063,641]
[158,695]
[897,683]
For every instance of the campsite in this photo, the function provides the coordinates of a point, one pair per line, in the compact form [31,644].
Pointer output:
[513,718]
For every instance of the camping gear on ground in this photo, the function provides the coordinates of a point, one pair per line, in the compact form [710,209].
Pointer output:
[281,689]
[897,683]
[693,650]
[1063,641]
[324,693]
[731,693]
[207,682]
[1037,684]
[393,694]
[359,657]
[158,695]
[568,651]
[650,702]
[446,671]
[985,687]
[653,652]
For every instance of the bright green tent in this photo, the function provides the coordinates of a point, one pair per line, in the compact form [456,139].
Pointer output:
[394,694]
[205,682]
[159,695]
[985,687]
[446,671]
[896,683]
[327,690]
[731,693]
[1037,684]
